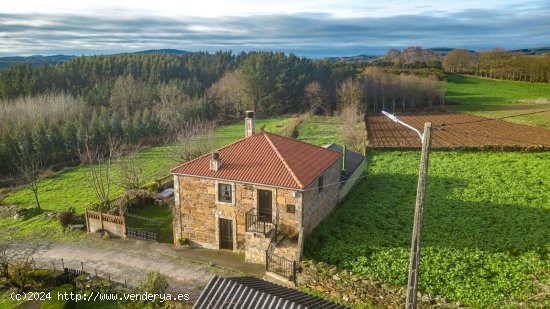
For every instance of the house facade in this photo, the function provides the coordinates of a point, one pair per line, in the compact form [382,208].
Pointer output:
[263,192]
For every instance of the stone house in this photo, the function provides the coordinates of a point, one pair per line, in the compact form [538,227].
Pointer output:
[262,195]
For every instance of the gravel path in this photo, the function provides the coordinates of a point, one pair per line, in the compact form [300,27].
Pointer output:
[130,260]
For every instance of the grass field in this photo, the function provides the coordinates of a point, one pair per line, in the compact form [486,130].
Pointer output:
[499,98]
[320,130]
[487,221]
[72,189]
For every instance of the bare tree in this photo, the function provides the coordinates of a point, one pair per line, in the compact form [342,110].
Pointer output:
[229,93]
[352,127]
[350,93]
[30,165]
[192,139]
[129,173]
[17,251]
[99,159]
[316,99]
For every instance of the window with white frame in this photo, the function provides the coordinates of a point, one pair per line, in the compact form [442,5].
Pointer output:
[225,193]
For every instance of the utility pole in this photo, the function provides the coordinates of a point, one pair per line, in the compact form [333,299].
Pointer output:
[414,263]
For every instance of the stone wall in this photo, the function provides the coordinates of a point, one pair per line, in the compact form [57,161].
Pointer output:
[197,211]
[318,205]
[352,288]
[255,246]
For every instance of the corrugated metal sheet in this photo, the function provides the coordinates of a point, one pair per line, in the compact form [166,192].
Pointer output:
[266,158]
[250,292]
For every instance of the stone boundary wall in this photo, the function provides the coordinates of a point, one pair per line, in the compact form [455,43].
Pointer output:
[356,289]
[255,246]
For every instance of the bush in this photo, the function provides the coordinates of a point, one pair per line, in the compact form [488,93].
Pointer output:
[42,278]
[54,302]
[152,186]
[65,218]
[153,282]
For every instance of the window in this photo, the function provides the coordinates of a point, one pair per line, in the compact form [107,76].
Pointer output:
[320,185]
[290,208]
[224,193]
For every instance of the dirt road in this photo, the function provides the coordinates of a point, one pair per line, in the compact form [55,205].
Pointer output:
[130,260]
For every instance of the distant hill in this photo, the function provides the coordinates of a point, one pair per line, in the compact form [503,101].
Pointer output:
[36,60]
[167,51]
[443,51]
[533,51]
[39,60]
[357,58]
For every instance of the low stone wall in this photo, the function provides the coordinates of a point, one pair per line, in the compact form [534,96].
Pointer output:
[355,289]
[254,247]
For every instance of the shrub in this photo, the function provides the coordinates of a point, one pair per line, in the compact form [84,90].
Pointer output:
[41,278]
[153,282]
[65,218]
[152,186]
[55,303]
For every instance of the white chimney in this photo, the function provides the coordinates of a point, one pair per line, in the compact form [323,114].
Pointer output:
[215,162]
[249,126]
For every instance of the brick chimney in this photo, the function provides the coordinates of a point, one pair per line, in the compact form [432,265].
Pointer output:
[249,125]
[215,162]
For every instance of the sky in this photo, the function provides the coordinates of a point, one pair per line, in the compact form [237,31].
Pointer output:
[307,28]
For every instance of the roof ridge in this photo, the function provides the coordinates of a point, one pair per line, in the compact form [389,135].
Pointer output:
[299,141]
[300,184]
[210,152]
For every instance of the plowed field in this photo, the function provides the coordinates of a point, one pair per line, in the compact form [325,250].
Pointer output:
[453,130]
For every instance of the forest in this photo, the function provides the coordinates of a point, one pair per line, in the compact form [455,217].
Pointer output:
[500,64]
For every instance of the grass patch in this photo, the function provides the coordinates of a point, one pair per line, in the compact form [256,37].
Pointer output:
[5,300]
[162,216]
[500,98]
[320,130]
[485,238]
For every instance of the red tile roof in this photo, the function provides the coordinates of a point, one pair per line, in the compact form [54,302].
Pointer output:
[266,158]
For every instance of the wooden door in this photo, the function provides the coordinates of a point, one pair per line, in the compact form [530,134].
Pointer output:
[226,234]
[264,206]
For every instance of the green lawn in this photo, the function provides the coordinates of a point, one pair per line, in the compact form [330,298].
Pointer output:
[500,98]
[320,130]
[162,225]
[72,188]
[486,231]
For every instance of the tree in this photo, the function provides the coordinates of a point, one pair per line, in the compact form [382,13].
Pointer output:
[16,254]
[350,93]
[229,95]
[130,172]
[129,95]
[99,159]
[457,60]
[30,165]
[316,99]
[193,139]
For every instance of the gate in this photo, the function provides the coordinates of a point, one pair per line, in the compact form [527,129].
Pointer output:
[141,227]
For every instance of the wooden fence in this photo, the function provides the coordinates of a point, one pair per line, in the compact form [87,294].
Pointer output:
[115,225]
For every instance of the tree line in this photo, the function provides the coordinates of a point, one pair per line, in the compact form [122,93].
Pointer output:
[499,64]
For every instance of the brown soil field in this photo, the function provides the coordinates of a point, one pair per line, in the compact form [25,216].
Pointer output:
[454,130]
